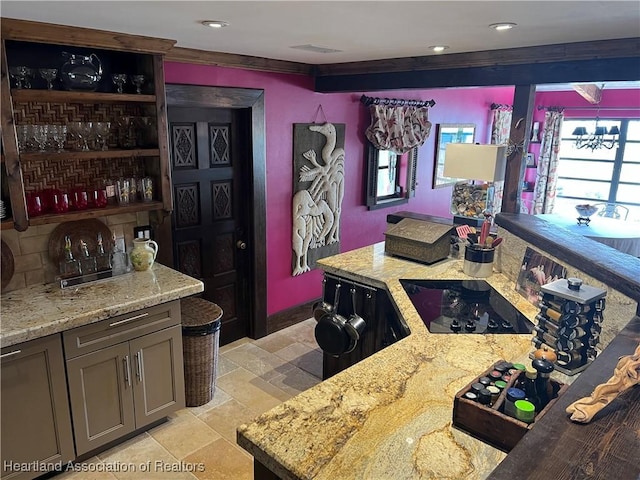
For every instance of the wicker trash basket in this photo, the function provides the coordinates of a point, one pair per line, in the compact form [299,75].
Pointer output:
[201,321]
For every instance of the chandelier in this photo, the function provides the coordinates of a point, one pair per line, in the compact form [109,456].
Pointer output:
[600,138]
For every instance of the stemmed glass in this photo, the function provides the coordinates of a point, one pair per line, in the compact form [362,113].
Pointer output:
[21,75]
[49,74]
[40,136]
[81,130]
[101,131]
[138,81]
[58,135]
[119,80]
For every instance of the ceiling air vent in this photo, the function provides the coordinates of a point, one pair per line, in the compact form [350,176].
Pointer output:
[316,49]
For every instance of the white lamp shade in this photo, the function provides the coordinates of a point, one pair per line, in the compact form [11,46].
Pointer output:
[475,162]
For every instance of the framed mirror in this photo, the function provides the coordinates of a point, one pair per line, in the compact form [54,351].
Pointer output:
[449,133]
[390,178]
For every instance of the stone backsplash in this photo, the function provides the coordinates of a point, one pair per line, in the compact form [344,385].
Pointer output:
[30,248]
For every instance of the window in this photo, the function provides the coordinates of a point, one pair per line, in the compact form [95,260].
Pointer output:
[602,175]
[390,178]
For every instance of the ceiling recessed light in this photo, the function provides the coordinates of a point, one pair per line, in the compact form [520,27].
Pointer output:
[438,48]
[502,26]
[215,23]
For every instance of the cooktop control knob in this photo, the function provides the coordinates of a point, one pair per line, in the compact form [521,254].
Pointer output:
[492,325]
[455,326]
[470,326]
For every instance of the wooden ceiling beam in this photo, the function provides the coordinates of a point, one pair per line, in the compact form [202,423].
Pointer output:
[28,31]
[618,48]
[204,57]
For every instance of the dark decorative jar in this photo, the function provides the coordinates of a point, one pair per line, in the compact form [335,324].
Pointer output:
[81,72]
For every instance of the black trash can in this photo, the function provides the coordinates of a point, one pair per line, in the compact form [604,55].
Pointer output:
[201,322]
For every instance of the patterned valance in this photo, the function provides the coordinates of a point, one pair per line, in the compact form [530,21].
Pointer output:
[398,128]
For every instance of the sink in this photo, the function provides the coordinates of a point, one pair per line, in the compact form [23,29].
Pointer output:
[464,307]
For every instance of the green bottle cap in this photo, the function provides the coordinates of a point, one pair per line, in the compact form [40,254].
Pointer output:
[501,384]
[525,411]
[519,366]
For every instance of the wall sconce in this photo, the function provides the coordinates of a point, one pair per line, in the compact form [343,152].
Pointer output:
[483,163]
[598,139]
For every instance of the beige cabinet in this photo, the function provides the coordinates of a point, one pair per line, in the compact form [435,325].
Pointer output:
[124,373]
[36,425]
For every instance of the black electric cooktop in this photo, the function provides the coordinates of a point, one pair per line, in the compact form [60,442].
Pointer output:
[464,306]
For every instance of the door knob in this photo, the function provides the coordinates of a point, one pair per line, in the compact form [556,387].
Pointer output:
[241,245]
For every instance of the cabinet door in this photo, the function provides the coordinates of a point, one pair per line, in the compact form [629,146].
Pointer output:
[101,392]
[159,375]
[35,409]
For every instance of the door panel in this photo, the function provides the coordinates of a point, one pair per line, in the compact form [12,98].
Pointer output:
[157,374]
[101,393]
[210,219]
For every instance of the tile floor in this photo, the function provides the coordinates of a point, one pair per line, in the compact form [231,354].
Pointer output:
[253,377]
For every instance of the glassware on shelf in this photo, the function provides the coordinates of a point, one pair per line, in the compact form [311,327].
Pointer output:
[122,191]
[34,204]
[138,81]
[21,76]
[98,198]
[146,189]
[146,132]
[101,134]
[40,135]
[60,202]
[126,132]
[119,79]
[49,74]
[81,72]
[79,199]
[57,137]
[81,132]
[133,189]
[23,133]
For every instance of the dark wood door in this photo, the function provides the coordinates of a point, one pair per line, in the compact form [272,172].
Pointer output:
[210,222]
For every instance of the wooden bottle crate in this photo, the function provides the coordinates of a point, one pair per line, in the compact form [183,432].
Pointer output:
[488,423]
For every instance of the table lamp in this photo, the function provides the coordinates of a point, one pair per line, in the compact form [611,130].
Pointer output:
[475,163]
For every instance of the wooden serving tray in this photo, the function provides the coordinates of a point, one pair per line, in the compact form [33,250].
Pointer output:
[488,423]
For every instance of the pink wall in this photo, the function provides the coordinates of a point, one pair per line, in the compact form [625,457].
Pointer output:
[290,99]
[610,98]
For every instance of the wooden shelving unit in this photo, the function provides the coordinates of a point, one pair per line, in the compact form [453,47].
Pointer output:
[146,152]
[24,42]
[60,96]
[95,212]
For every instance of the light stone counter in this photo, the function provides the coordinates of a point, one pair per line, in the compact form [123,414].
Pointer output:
[389,416]
[41,310]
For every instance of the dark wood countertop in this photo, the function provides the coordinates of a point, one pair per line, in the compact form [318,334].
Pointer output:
[608,448]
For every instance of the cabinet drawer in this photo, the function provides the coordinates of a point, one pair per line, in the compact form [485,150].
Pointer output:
[111,331]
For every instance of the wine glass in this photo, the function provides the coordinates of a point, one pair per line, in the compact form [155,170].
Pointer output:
[49,74]
[119,80]
[101,131]
[21,76]
[138,81]
[40,136]
[58,135]
[82,131]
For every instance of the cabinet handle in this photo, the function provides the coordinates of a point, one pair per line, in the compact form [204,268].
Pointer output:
[138,356]
[10,354]
[136,317]
[127,370]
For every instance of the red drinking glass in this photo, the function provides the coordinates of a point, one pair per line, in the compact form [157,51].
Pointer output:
[60,202]
[80,199]
[34,204]
[98,198]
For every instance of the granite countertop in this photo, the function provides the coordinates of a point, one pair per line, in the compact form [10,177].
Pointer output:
[389,416]
[41,310]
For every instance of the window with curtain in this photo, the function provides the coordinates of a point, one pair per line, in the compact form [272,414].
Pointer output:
[601,175]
